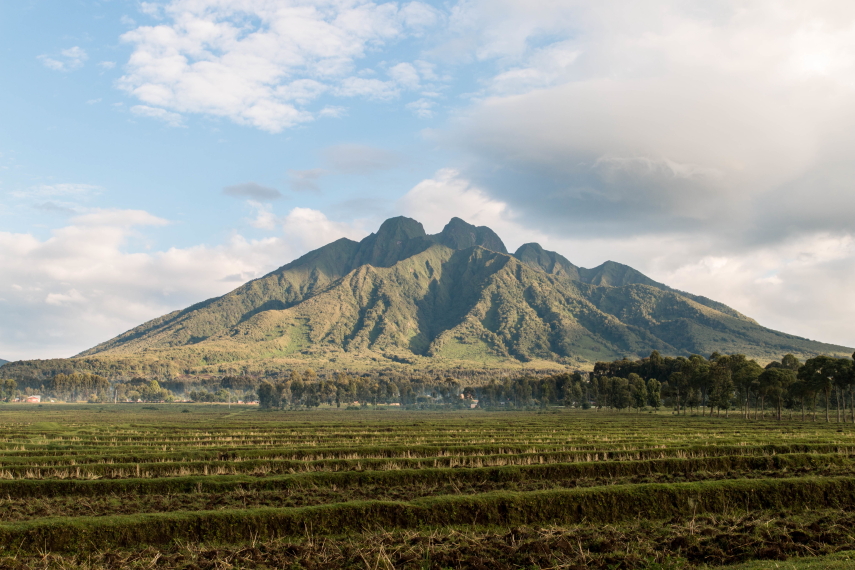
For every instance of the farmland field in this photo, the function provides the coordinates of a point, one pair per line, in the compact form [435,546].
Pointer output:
[207,486]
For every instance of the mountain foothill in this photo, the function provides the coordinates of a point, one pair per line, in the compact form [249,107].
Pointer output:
[454,299]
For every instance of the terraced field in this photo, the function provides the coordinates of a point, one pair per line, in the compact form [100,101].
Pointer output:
[174,486]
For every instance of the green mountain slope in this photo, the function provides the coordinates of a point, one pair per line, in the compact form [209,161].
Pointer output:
[450,299]
[397,239]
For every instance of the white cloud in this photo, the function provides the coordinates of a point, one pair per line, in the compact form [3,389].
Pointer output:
[67,60]
[85,283]
[72,296]
[545,67]
[405,75]
[422,108]
[151,9]
[368,88]
[51,63]
[310,229]
[168,117]
[801,285]
[106,64]
[420,15]
[258,62]
[436,200]
[333,111]
[725,119]
[264,219]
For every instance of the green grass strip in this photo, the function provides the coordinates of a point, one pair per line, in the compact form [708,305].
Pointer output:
[592,505]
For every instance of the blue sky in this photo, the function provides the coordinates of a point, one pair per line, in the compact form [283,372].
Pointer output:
[153,154]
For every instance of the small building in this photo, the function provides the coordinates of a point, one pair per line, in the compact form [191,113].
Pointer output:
[34,399]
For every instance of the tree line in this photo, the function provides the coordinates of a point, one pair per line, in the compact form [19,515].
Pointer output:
[719,384]
[722,383]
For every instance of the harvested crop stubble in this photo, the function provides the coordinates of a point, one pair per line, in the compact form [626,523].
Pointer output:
[681,543]
[597,504]
[43,498]
[252,489]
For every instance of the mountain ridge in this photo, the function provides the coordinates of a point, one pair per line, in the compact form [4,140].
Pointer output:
[453,298]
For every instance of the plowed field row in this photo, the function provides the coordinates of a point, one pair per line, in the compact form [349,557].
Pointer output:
[265,489]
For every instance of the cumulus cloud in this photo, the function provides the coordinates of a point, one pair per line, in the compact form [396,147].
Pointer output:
[405,75]
[360,159]
[85,283]
[641,121]
[252,191]
[265,218]
[310,229]
[259,62]
[436,200]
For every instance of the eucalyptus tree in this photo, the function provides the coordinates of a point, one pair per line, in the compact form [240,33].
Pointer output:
[775,383]
[638,389]
[721,392]
[697,371]
[841,372]
[745,374]
[819,373]
[654,397]
[790,362]
[678,382]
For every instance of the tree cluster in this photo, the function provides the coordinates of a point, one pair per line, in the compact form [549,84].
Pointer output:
[734,382]
[8,389]
[79,385]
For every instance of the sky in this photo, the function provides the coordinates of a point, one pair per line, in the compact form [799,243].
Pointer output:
[156,154]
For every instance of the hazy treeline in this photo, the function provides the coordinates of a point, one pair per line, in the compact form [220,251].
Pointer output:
[54,379]
[79,386]
[718,384]
[37,374]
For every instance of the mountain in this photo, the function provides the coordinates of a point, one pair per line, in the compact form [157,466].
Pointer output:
[456,298]
[2,362]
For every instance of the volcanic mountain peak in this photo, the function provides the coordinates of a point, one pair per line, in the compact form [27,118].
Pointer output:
[452,298]
[458,234]
[532,254]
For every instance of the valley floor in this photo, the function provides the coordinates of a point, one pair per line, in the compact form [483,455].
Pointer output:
[208,486]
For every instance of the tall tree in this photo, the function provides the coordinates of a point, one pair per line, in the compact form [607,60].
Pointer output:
[697,371]
[721,393]
[774,383]
[819,373]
